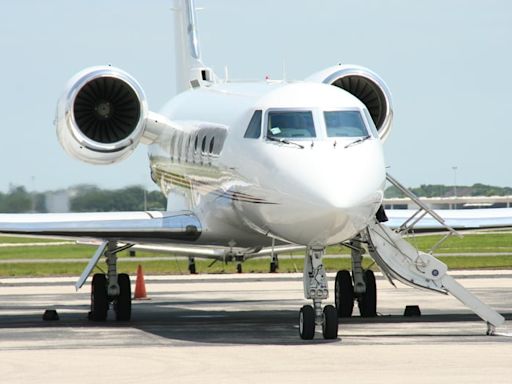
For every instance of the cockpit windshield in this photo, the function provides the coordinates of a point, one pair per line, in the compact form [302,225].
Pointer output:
[345,124]
[291,124]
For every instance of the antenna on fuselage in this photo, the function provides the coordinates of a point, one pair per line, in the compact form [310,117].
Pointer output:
[190,69]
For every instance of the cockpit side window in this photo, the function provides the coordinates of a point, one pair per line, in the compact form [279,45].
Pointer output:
[369,119]
[254,128]
[291,124]
[345,124]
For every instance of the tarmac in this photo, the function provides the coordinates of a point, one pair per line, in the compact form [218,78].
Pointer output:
[244,329]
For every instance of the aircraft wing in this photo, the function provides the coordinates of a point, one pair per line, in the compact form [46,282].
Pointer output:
[459,219]
[129,227]
[154,231]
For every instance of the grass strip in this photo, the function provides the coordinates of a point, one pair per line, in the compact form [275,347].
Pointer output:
[477,243]
[180,266]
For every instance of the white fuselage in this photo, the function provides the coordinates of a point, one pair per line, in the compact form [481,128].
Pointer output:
[256,189]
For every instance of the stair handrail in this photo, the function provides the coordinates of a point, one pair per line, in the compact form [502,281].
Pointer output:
[423,207]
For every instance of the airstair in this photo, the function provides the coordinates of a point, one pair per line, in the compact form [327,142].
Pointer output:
[398,259]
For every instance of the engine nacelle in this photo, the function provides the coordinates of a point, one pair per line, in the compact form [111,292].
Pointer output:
[367,86]
[101,115]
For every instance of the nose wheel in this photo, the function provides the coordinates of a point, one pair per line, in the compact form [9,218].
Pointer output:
[316,288]
[307,322]
[330,324]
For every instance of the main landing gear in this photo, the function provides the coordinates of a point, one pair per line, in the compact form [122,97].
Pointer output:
[111,288]
[274,263]
[315,288]
[360,286]
[192,265]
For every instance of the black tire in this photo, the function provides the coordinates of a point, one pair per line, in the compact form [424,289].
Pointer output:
[307,322]
[344,294]
[192,268]
[273,267]
[99,298]
[239,268]
[330,324]
[368,301]
[123,303]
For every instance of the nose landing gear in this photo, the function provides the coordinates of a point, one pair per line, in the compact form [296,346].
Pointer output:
[315,288]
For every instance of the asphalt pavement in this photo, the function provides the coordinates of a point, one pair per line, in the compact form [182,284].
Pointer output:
[244,328]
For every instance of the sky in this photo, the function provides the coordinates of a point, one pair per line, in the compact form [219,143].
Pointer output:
[448,65]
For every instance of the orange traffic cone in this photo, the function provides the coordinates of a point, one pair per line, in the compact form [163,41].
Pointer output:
[140,285]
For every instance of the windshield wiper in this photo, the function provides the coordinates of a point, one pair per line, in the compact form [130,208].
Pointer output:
[358,141]
[284,141]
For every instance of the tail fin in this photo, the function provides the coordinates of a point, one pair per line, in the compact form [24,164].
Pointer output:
[190,70]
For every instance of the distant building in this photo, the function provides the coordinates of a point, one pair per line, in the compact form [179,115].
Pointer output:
[57,201]
[459,202]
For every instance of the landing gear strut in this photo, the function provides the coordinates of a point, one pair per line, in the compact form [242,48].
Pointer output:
[111,288]
[315,288]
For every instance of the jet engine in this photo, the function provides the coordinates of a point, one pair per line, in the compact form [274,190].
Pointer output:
[367,86]
[101,115]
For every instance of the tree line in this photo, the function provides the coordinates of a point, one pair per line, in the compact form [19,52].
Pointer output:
[84,198]
[90,198]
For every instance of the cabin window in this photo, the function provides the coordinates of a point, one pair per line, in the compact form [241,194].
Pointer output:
[203,145]
[291,124]
[345,124]
[212,143]
[254,129]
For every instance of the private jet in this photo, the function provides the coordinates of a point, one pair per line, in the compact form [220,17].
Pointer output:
[246,167]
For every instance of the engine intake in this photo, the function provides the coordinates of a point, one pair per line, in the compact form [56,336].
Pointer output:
[107,110]
[101,116]
[368,87]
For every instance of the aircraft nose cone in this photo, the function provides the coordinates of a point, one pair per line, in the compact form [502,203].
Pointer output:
[322,194]
[341,214]
[338,195]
